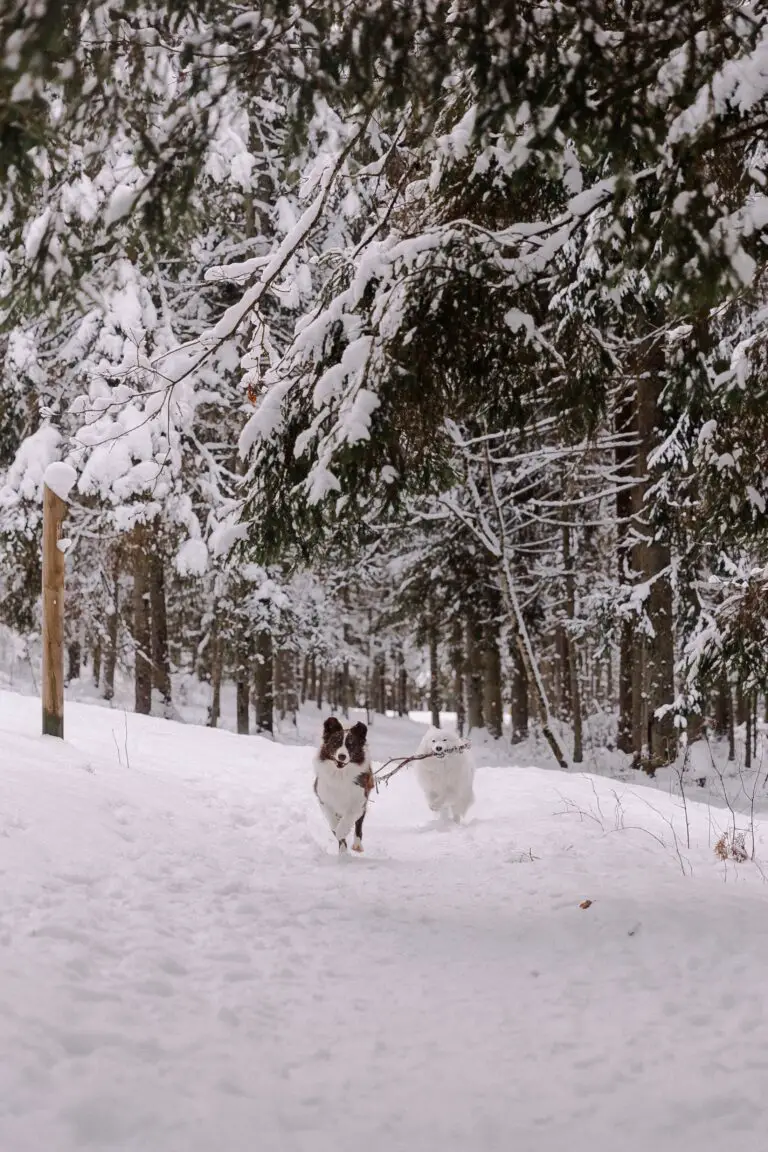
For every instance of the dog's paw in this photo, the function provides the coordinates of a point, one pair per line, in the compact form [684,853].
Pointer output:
[342,847]
[357,846]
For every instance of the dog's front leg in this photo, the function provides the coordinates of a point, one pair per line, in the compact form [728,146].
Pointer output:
[343,829]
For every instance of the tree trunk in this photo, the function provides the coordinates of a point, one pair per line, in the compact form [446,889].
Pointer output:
[523,641]
[661,658]
[434,671]
[242,684]
[217,662]
[492,705]
[53,580]
[519,699]
[474,666]
[142,634]
[561,683]
[320,683]
[640,748]
[518,625]
[161,664]
[113,622]
[264,683]
[74,660]
[379,681]
[305,678]
[345,693]
[626,425]
[279,686]
[457,661]
[653,562]
[291,690]
[624,739]
[572,655]
[748,732]
[312,691]
[402,685]
[722,704]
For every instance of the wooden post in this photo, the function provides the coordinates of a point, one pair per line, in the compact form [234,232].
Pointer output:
[54,511]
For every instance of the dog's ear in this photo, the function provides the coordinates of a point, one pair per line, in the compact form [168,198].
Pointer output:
[331,725]
[360,730]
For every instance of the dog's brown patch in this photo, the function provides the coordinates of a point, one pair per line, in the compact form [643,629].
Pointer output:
[366,782]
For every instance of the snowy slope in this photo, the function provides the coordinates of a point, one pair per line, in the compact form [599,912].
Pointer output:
[185,965]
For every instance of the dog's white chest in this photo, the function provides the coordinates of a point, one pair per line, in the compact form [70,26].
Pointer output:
[336,787]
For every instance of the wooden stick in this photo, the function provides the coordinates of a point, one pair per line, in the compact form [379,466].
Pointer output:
[379,779]
[54,511]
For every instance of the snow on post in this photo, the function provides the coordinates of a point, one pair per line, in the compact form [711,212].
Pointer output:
[60,478]
[57,484]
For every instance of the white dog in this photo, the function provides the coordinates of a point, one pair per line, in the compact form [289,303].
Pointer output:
[447,774]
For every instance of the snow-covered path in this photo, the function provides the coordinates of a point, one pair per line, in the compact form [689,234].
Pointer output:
[185,966]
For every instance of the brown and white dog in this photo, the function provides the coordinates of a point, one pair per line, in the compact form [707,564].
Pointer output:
[343,780]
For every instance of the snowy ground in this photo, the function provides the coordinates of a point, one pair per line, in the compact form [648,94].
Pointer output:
[185,965]
[707,777]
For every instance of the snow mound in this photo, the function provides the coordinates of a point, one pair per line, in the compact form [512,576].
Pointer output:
[60,478]
[185,964]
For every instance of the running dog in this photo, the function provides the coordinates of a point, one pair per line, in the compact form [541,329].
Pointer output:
[446,775]
[344,780]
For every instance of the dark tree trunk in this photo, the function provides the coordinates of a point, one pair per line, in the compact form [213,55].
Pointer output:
[113,622]
[379,682]
[519,698]
[655,737]
[345,688]
[74,660]
[217,663]
[264,683]
[96,658]
[722,706]
[626,424]
[561,694]
[402,692]
[161,664]
[457,661]
[474,676]
[492,705]
[142,635]
[748,732]
[304,678]
[242,684]
[242,705]
[661,661]
[434,671]
[572,655]
[281,697]
[291,689]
